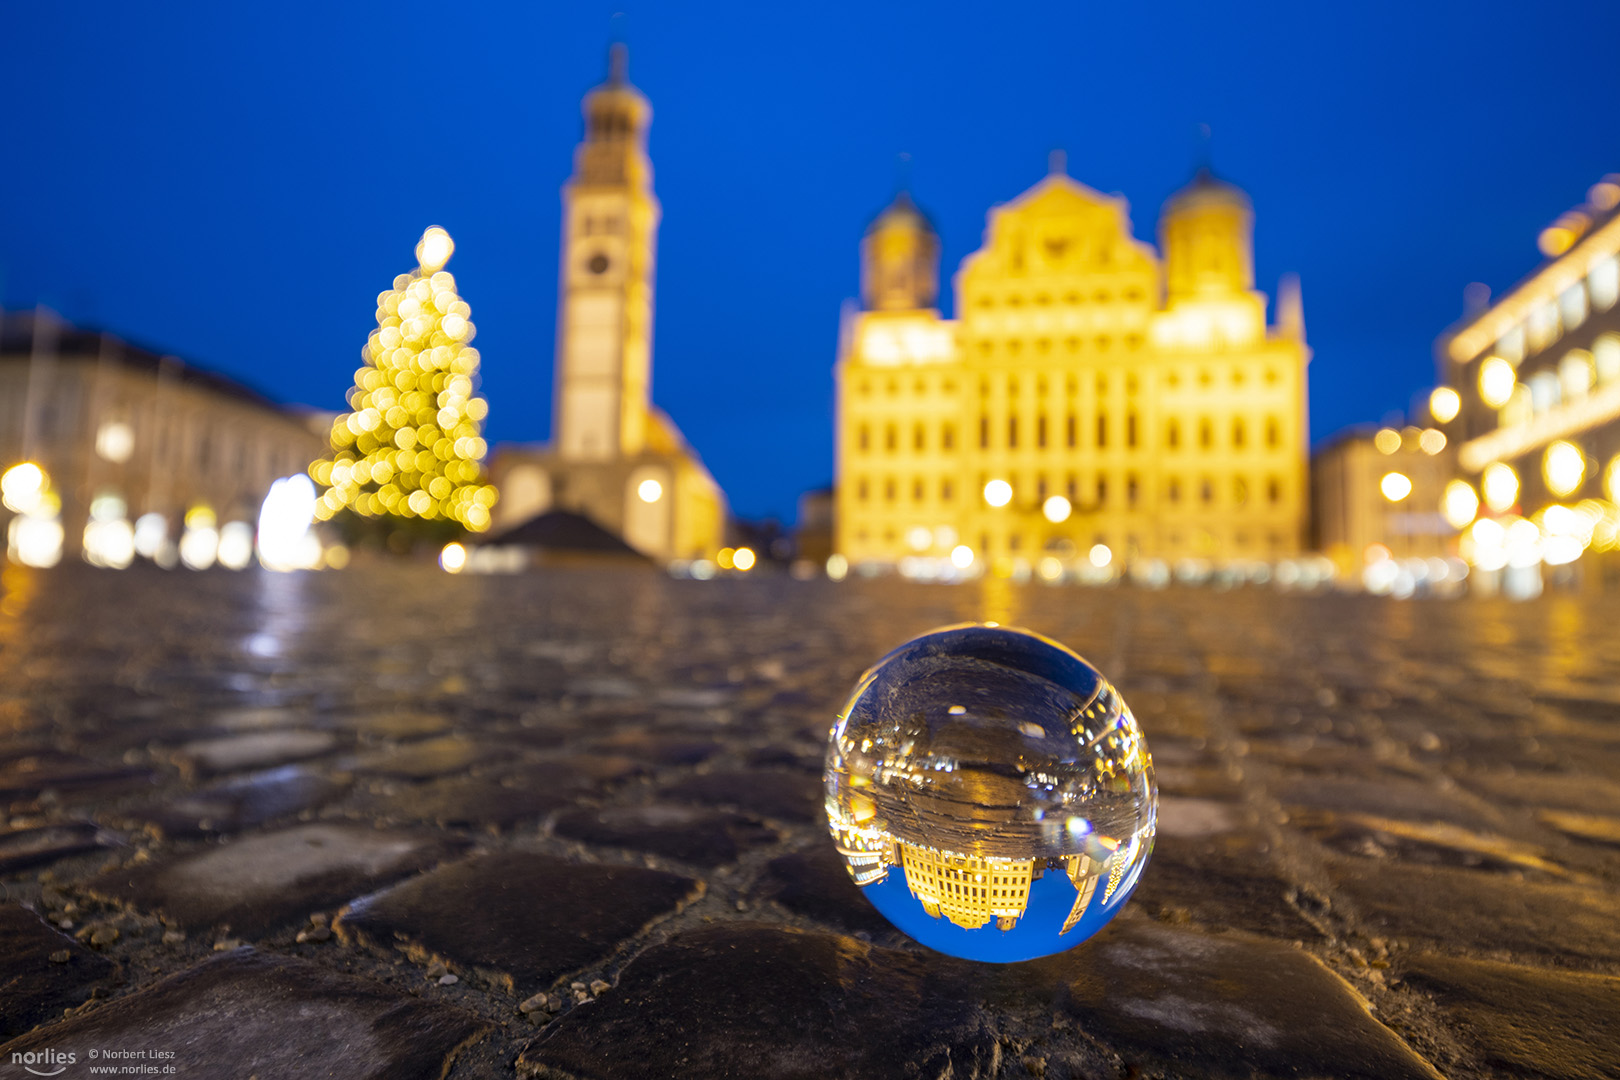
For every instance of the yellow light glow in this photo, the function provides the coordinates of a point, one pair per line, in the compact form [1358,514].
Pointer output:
[1444,404]
[434,249]
[1057,509]
[1499,484]
[1050,568]
[1459,504]
[1496,381]
[961,556]
[1388,440]
[1563,467]
[837,566]
[723,560]
[1395,486]
[115,441]
[1100,555]
[1432,441]
[650,491]
[23,486]
[453,557]
[998,493]
[1611,479]
[743,559]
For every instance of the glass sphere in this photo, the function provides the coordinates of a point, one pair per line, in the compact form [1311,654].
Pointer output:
[990,793]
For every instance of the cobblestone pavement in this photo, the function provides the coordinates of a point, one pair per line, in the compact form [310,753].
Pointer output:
[392,823]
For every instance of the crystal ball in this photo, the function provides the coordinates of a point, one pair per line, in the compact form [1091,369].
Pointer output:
[990,793]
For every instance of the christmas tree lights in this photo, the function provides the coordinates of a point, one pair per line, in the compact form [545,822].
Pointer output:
[411,445]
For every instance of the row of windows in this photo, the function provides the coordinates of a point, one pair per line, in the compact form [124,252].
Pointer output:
[1073,298]
[1176,490]
[1029,543]
[1549,321]
[1074,343]
[1172,379]
[1069,436]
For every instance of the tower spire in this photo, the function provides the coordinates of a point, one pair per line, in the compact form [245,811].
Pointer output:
[1057,163]
[618,64]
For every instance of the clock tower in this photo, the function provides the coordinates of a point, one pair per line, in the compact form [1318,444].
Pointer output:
[615,458]
[605,310]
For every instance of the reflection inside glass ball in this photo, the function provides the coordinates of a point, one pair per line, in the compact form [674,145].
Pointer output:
[990,793]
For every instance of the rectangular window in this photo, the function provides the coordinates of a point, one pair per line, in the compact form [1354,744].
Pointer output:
[1102,490]
[891,438]
[1070,434]
[1238,433]
[946,493]
[947,437]
[1102,431]
[984,433]
[1040,431]
[1130,429]
[1172,434]
[1273,432]
[919,438]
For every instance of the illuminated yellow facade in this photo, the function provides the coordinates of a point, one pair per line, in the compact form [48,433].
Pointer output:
[969,890]
[1083,875]
[1088,393]
[615,457]
[1532,395]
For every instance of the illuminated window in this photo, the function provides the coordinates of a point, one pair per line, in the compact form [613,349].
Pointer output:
[917,494]
[1274,490]
[1040,488]
[1012,387]
[984,433]
[865,439]
[891,437]
[1040,431]
[1130,489]
[947,437]
[1043,345]
[1175,490]
[919,437]
[1102,490]
[861,489]
[1204,378]
[1069,431]
[1510,346]
[1206,433]
[1273,432]
[1012,432]
[1172,434]
[1545,391]
[1238,433]
[1575,374]
[1572,305]
[1240,491]
[1603,283]
[1542,329]
[1606,358]
[1104,342]
[888,490]
[1206,491]
[1130,384]
[1073,489]
[1130,429]
[946,491]
[1102,430]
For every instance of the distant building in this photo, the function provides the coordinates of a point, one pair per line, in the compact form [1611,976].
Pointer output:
[1378,495]
[814,534]
[1090,391]
[1531,392]
[614,458]
[125,434]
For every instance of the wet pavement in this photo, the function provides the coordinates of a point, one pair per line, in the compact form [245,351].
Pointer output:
[393,823]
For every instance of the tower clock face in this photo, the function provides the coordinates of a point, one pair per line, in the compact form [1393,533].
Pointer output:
[597,264]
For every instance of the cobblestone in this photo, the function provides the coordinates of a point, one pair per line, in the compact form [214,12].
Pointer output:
[1387,844]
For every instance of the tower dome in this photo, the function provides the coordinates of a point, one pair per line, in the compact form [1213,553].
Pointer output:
[900,259]
[1206,232]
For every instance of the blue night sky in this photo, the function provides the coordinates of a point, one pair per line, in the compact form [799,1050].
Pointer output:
[235,183]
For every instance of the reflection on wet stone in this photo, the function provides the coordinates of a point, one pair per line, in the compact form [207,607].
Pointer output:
[1416,801]
[991,794]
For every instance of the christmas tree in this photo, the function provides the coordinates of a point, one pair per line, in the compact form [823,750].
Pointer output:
[411,446]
